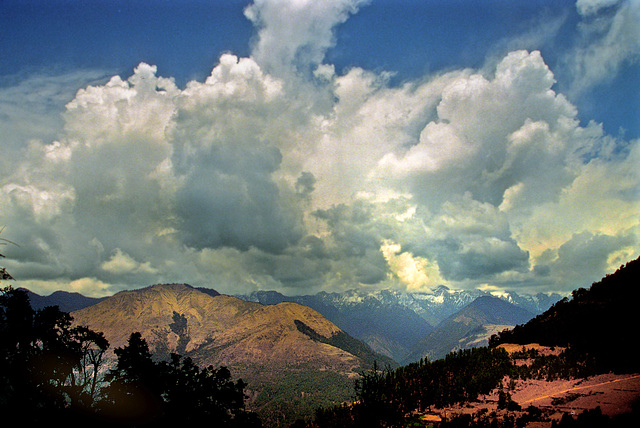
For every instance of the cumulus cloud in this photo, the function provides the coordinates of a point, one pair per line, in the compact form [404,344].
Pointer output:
[225,159]
[122,263]
[418,273]
[260,178]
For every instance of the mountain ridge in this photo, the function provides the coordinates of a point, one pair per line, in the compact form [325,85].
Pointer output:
[595,321]
[469,327]
[392,322]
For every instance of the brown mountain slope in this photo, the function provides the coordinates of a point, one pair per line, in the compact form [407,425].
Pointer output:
[292,357]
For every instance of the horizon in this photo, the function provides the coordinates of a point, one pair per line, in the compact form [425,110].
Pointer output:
[300,147]
[497,294]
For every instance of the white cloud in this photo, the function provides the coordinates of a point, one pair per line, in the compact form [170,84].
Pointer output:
[610,40]
[294,35]
[121,263]
[417,273]
[257,179]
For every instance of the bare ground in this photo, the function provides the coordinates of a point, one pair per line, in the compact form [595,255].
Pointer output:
[614,394]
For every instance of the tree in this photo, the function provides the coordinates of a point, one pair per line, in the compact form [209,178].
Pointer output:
[49,369]
[4,275]
[145,393]
[133,394]
[199,395]
[43,374]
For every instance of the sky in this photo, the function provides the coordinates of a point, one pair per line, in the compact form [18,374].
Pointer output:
[305,145]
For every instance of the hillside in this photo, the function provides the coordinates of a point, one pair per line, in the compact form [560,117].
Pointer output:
[387,327]
[292,357]
[595,322]
[470,327]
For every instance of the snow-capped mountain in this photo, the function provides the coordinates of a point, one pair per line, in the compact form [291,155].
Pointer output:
[392,322]
[388,327]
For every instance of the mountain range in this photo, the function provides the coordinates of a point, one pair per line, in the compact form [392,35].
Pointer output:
[392,323]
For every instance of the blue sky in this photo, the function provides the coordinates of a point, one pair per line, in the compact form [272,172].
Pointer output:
[407,37]
[305,146]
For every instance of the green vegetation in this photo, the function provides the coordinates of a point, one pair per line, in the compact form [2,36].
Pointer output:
[52,372]
[342,340]
[287,396]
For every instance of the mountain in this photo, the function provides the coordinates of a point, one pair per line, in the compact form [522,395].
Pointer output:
[535,303]
[392,322]
[387,327]
[470,327]
[600,322]
[292,358]
[67,302]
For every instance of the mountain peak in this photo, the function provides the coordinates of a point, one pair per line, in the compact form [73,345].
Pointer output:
[494,310]
[441,289]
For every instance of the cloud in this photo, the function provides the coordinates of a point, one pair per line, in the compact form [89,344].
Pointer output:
[31,107]
[418,273]
[277,172]
[225,160]
[490,133]
[294,35]
[590,7]
[121,263]
[611,39]
[584,257]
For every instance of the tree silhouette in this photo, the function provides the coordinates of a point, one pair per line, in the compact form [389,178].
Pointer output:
[133,395]
[145,393]
[43,371]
